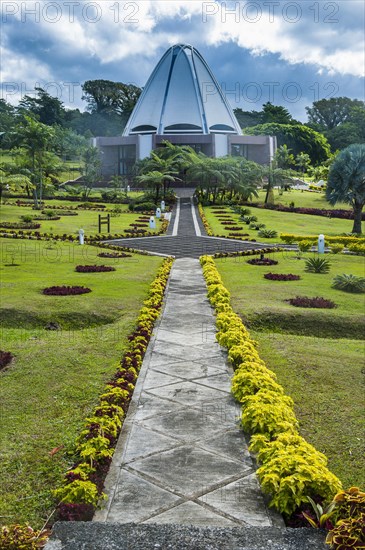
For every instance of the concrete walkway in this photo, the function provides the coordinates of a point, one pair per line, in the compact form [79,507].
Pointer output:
[182,457]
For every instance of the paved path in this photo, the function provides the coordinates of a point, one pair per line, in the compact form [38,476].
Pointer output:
[182,457]
[186,236]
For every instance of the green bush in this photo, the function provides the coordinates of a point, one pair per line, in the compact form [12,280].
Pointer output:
[317,265]
[337,247]
[268,233]
[349,283]
[304,246]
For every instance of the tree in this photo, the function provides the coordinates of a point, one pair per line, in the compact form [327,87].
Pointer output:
[35,139]
[91,171]
[247,118]
[276,176]
[157,165]
[275,113]
[105,96]
[329,113]
[346,181]
[302,161]
[283,157]
[299,138]
[46,108]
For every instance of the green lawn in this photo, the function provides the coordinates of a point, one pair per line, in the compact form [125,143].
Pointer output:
[306,199]
[85,219]
[56,377]
[318,355]
[282,222]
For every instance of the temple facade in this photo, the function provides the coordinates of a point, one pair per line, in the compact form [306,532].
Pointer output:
[182,103]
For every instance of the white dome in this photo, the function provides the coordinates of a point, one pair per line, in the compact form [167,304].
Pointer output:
[182,97]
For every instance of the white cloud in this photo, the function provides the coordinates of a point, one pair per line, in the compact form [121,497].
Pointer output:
[322,45]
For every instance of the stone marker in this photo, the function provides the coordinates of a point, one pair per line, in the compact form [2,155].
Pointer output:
[321,244]
[81,236]
[152,222]
[158,212]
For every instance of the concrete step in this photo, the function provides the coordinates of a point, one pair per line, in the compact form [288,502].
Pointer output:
[109,536]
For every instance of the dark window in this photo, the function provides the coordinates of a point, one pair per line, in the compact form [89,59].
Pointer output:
[222,128]
[239,150]
[144,128]
[127,159]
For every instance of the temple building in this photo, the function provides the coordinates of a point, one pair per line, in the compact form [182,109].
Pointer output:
[183,103]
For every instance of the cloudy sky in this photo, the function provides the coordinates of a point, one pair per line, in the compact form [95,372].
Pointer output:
[288,52]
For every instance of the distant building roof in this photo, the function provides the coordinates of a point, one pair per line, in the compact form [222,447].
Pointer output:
[182,97]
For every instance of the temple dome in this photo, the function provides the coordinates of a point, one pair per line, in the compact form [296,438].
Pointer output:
[182,97]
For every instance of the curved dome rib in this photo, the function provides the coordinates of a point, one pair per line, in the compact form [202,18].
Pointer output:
[182,97]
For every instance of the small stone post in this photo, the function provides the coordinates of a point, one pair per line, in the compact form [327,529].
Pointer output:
[321,244]
[81,236]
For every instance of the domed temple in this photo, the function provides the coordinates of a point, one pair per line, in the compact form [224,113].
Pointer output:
[183,103]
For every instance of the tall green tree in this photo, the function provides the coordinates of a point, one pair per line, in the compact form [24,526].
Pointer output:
[106,96]
[329,113]
[35,140]
[91,170]
[346,181]
[284,157]
[46,108]
[298,138]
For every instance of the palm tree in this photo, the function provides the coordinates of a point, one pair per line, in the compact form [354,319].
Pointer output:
[157,163]
[155,180]
[346,181]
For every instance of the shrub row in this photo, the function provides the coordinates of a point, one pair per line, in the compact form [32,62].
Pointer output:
[248,253]
[82,487]
[291,238]
[329,213]
[89,239]
[20,225]
[207,227]
[290,468]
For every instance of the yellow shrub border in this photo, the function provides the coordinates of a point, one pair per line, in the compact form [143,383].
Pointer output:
[290,468]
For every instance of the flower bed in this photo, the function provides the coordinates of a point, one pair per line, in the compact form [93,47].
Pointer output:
[93,268]
[20,225]
[65,290]
[114,255]
[238,235]
[6,358]
[262,261]
[281,277]
[233,228]
[290,468]
[252,252]
[316,302]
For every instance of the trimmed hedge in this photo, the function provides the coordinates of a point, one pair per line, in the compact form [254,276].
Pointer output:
[290,468]
[83,484]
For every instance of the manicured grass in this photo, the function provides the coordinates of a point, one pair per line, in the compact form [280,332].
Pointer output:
[326,380]
[56,377]
[305,199]
[318,355]
[282,222]
[86,219]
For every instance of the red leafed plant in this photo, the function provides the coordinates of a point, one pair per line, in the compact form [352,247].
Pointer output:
[93,268]
[65,290]
[5,358]
[316,302]
[114,255]
[282,277]
[262,261]
[234,228]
